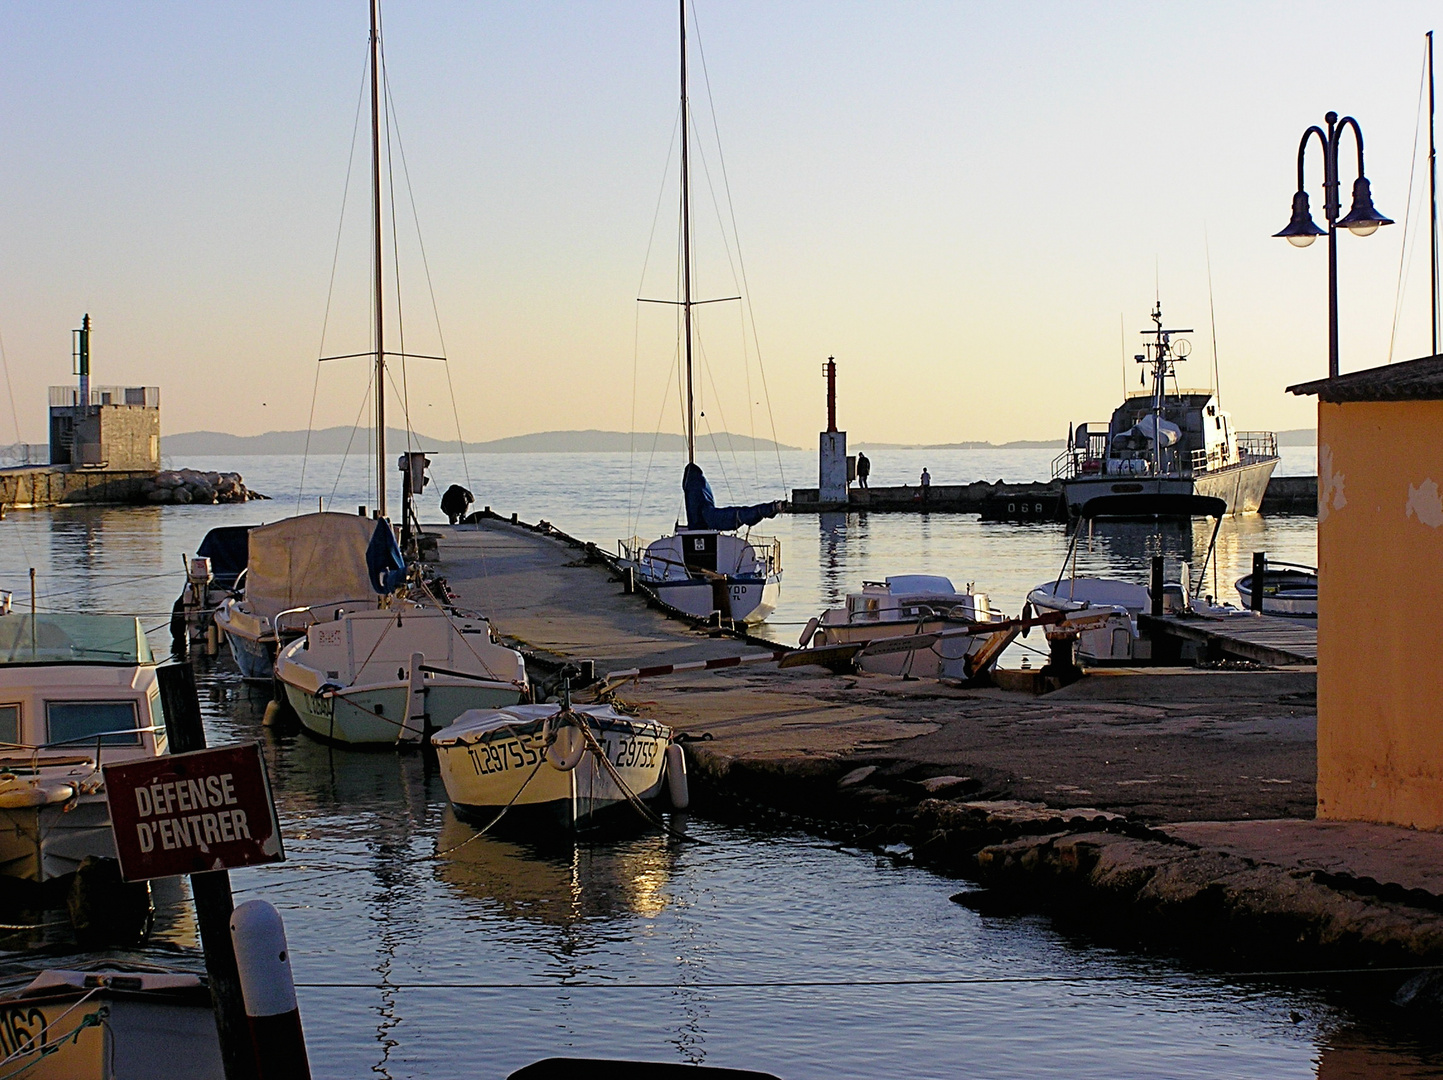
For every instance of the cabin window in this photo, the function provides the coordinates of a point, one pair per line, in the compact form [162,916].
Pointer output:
[157,718]
[10,724]
[113,723]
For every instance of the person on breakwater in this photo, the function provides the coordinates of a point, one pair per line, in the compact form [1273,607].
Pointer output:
[456,502]
[926,484]
[864,469]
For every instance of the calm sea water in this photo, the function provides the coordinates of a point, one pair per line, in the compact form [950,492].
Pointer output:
[464,962]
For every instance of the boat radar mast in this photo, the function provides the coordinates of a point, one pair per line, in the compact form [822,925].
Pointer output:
[1161,354]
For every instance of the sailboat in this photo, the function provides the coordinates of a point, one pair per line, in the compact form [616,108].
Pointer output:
[704,568]
[387,672]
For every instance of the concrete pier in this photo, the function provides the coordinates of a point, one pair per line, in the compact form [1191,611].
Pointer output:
[1127,798]
[1285,495]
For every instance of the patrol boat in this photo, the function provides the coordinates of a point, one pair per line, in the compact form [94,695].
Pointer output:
[1167,441]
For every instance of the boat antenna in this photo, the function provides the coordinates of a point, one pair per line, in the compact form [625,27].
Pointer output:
[686,245]
[1213,319]
[376,224]
[1432,195]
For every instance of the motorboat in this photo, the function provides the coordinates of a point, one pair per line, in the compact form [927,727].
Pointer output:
[76,692]
[1167,441]
[705,569]
[1289,590]
[110,1021]
[558,763]
[302,569]
[913,605]
[1112,641]
[1105,610]
[390,676]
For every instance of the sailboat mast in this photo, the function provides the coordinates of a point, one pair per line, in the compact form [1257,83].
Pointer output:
[1433,194]
[686,246]
[376,222]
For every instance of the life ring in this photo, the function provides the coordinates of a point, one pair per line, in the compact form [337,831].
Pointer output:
[564,746]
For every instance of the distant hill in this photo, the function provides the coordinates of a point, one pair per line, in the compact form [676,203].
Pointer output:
[1304,436]
[1017,444]
[335,440]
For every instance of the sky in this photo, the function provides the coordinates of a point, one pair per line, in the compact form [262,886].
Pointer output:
[971,206]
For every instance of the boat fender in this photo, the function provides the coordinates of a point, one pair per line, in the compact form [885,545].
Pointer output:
[565,747]
[808,633]
[1026,614]
[676,785]
[25,796]
[272,717]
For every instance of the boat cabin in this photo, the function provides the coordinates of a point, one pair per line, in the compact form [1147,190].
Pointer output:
[77,685]
[908,597]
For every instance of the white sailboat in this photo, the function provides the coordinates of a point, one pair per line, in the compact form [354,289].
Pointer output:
[706,567]
[389,672]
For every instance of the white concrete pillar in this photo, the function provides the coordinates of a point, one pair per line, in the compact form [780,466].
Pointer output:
[832,467]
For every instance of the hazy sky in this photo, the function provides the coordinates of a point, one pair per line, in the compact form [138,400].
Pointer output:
[959,201]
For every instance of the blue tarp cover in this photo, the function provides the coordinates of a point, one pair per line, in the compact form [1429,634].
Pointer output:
[702,512]
[227,548]
[384,564]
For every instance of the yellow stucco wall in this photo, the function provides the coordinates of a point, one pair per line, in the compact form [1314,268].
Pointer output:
[1380,612]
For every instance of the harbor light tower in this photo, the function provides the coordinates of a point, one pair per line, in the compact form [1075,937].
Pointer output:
[832,472]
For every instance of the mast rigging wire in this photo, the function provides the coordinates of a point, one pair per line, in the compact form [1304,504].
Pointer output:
[331,285]
[741,262]
[1408,213]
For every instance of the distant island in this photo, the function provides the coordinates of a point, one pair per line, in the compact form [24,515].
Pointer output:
[335,440]
[1291,437]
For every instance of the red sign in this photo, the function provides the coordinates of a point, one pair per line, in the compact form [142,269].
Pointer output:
[189,813]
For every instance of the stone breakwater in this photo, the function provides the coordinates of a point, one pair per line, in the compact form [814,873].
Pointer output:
[180,486]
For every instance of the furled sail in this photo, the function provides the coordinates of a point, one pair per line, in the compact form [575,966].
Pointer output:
[702,512]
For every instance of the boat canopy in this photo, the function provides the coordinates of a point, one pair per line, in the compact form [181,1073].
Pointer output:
[51,638]
[908,584]
[702,512]
[227,549]
[317,559]
[1154,504]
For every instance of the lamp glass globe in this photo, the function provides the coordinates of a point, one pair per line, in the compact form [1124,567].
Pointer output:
[1301,241]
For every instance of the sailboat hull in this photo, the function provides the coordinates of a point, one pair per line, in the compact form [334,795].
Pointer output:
[744,600]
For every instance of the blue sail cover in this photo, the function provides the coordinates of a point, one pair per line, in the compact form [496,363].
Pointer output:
[384,565]
[702,512]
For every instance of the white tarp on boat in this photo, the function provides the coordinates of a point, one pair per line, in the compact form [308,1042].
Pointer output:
[308,560]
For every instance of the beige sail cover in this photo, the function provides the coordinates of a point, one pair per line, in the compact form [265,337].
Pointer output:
[308,560]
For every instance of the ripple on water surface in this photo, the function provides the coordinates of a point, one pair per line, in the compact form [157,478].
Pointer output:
[663,926]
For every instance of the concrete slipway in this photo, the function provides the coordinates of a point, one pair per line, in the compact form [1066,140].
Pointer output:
[1165,804]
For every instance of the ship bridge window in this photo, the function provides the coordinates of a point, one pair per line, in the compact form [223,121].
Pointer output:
[112,723]
[10,724]
[1218,423]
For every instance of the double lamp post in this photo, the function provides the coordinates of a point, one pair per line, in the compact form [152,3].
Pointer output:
[1361,220]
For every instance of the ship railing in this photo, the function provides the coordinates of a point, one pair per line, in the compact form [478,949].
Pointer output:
[1257,444]
[1064,465]
[768,550]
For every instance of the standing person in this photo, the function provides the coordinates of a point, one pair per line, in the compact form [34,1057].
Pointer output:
[926,484]
[864,469]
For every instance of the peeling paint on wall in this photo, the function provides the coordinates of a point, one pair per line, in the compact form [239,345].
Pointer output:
[1425,504]
[1330,484]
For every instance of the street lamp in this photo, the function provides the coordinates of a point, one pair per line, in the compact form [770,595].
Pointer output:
[1361,220]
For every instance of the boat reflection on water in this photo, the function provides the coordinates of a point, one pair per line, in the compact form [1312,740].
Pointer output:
[563,883]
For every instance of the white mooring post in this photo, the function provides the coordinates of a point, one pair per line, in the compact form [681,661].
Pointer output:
[264,964]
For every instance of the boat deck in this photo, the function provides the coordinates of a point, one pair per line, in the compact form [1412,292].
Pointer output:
[1263,639]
